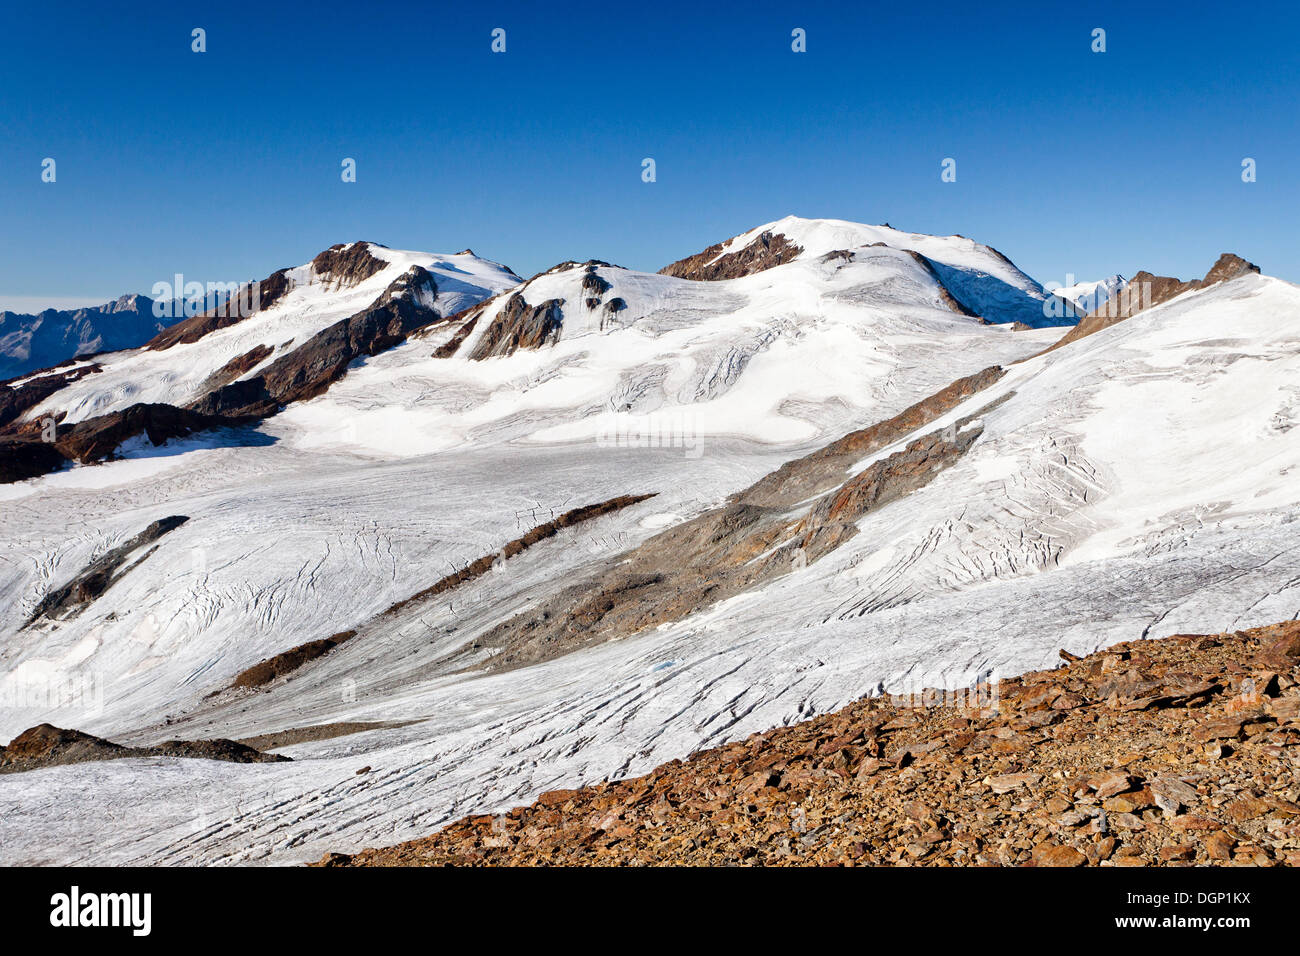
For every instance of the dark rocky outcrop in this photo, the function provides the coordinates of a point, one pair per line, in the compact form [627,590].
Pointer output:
[341,266]
[519,325]
[21,459]
[101,574]
[312,367]
[98,438]
[344,265]
[48,746]
[449,348]
[594,284]
[611,309]
[406,305]
[767,250]
[416,283]
[18,398]
[237,366]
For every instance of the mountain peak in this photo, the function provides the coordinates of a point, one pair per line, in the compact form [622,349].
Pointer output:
[1228,266]
[986,282]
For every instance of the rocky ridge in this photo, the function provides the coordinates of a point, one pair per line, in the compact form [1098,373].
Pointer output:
[1145,290]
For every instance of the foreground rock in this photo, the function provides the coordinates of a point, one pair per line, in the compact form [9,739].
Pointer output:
[1176,752]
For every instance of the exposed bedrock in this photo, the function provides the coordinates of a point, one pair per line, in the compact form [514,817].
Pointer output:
[767,250]
[520,326]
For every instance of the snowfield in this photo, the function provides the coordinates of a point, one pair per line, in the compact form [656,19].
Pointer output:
[1137,482]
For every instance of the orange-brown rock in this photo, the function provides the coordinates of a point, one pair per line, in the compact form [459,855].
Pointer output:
[765,251]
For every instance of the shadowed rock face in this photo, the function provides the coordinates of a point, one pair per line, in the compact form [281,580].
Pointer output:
[48,746]
[762,533]
[1145,290]
[416,283]
[26,455]
[95,439]
[764,252]
[310,369]
[101,574]
[29,458]
[14,400]
[520,326]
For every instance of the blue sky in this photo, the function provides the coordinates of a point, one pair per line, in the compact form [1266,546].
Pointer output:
[225,165]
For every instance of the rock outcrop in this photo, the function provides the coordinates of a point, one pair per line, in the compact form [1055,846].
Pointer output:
[519,325]
[320,361]
[272,668]
[98,438]
[246,302]
[97,577]
[28,458]
[18,395]
[268,670]
[765,251]
[48,746]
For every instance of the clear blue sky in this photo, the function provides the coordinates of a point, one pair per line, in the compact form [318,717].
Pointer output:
[225,165]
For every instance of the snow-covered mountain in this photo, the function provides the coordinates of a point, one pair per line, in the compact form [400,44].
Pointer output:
[1087,297]
[437,559]
[976,278]
[184,364]
[285,339]
[591,351]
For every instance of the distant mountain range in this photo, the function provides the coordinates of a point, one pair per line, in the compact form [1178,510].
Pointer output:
[30,342]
